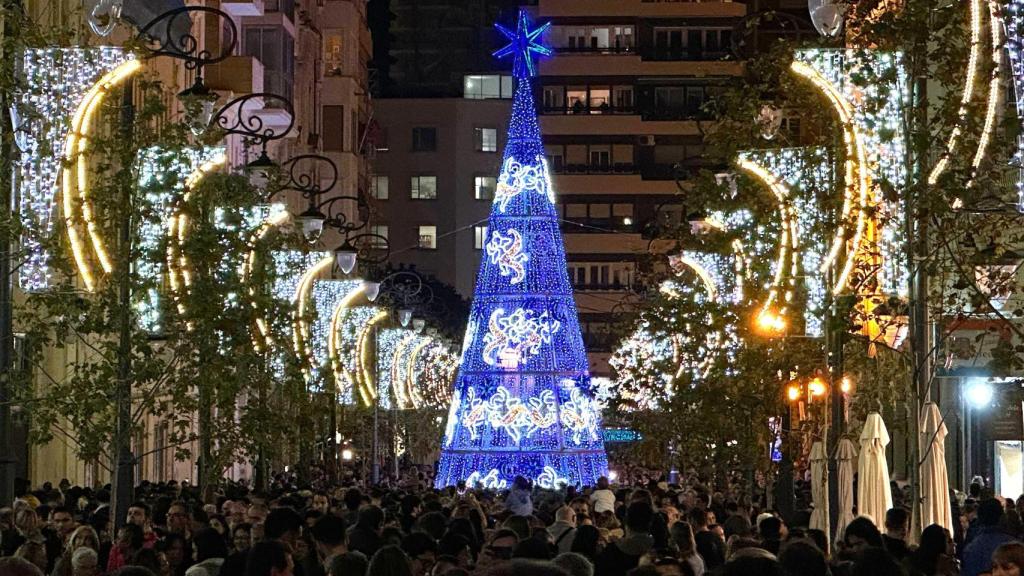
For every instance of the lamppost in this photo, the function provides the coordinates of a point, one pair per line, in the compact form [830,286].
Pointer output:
[168,34]
[403,289]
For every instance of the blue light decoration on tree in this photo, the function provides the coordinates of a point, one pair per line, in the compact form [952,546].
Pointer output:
[523,403]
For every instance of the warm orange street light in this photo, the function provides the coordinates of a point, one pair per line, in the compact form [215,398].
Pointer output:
[817,387]
[793,392]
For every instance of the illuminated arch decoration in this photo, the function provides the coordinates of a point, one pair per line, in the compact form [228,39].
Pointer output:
[162,178]
[973,64]
[436,367]
[388,341]
[348,324]
[75,175]
[179,227]
[403,371]
[57,81]
[1015,50]
[289,268]
[316,298]
[804,174]
[875,148]
[721,278]
[365,352]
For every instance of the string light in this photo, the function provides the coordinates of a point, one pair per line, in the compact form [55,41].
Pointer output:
[74,182]
[967,95]
[523,340]
[996,24]
[366,371]
[56,81]
[1015,52]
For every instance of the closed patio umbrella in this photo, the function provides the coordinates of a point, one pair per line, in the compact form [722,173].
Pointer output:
[874,497]
[935,506]
[819,487]
[846,453]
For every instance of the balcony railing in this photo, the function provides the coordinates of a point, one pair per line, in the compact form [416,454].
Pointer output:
[617,168]
[595,49]
[582,109]
[676,113]
[684,55]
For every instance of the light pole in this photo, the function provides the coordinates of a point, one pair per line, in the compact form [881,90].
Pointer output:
[403,289]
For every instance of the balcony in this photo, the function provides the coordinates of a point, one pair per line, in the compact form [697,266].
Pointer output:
[640,8]
[616,168]
[614,124]
[237,75]
[684,55]
[241,8]
[632,64]
[580,108]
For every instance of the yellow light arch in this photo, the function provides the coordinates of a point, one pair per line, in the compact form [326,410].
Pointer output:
[365,372]
[302,296]
[341,375]
[858,189]
[417,400]
[75,182]
[773,311]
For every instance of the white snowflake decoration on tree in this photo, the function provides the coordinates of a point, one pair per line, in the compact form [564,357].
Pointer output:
[512,339]
[517,178]
[506,251]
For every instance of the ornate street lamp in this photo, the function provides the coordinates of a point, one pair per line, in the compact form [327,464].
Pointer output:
[237,117]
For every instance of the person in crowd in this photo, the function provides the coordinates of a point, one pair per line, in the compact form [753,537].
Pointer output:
[140,514]
[348,564]
[129,541]
[803,558]
[564,529]
[84,562]
[389,561]
[270,558]
[14,566]
[686,547]
[588,542]
[151,560]
[519,500]
[860,534]
[422,552]
[63,522]
[1008,560]
[178,554]
[575,564]
[498,551]
[710,547]
[82,537]
[770,531]
[977,555]
[602,499]
[624,554]
[365,536]
[34,552]
[876,561]
[210,552]
[934,554]
[241,537]
[179,521]
[897,528]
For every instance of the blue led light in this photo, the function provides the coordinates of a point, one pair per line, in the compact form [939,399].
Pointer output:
[523,403]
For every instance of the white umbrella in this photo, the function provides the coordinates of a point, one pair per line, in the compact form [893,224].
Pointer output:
[819,487]
[874,498]
[935,507]
[846,451]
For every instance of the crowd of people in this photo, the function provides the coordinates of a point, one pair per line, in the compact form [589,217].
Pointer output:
[653,529]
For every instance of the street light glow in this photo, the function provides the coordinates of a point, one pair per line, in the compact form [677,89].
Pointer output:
[979,392]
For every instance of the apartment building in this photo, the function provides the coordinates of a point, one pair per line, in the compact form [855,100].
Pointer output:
[313,53]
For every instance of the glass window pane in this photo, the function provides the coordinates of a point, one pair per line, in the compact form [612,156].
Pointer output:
[484,186]
[428,237]
[379,187]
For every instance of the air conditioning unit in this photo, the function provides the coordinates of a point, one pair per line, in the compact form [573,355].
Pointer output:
[647,140]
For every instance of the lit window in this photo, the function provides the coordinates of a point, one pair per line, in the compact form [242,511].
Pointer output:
[380,240]
[379,187]
[482,87]
[428,237]
[479,237]
[486,139]
[483,187]
[423,188]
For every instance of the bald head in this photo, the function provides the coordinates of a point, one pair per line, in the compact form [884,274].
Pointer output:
[566,514]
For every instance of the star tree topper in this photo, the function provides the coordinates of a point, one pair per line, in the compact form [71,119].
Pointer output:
[522,44]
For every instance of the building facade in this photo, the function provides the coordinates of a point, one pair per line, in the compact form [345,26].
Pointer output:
[313,53]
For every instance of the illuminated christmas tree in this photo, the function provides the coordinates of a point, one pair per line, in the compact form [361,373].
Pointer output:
[523,403]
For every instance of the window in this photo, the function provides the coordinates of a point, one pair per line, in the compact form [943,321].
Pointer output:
[274,48]
[334,128]
[424,139]
[479,237]
[379,187]
[379,230]
[423,188]
[623,97]
[556,158]
[578,211]
[480,87]
[486,139]
[600,157]
[600,99]
[576,96]
[333,55]
[428,237]
[483,187]
[554,98]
